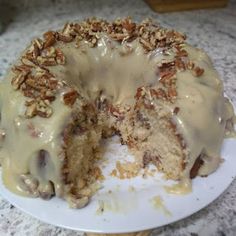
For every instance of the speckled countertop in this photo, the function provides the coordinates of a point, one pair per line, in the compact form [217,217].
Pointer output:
[212,30]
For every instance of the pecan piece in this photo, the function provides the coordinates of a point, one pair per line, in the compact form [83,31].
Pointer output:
[140,93]
[182,53]
[35,49]
[197,71]
[64,38]
[18,80]
[128,25]
[48,52]
[196,166]
[190,65]
[38,43]
[165,75]
[180,65]
[115,112]
[21,68]
[146,44]
[46,61]
[31,109]
[27,62]
[43,109]
[172,93]
[70,97]
[50,39]
[118,36]
[176,110]
[158,93]
[60,58]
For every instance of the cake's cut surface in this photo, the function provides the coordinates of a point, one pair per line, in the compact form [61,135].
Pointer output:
[95,79]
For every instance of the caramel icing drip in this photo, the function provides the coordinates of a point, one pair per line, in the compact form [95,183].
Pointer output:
[119,62]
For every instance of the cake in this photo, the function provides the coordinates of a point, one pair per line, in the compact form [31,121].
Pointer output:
[95,79]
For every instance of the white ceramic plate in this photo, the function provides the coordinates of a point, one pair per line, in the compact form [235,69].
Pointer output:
[128,209]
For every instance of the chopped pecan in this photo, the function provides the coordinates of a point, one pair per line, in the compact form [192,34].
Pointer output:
[176,110]
[140,93]
[50,61]
[190,65]
[48,52]
[36,48]
[48,95]
[128,25]
[166,67]
[68,29]
[197,71]
[167,78]
[60,58]
[196,166]
[43,109]
[31,109]
[64,38]
[146,44]
[158,93]
[32,83]
[39,43]
[171,92]
[148,104]
[180,65]
[70,97]
[50,39]
[21,68]
[27,62]
[118,36]
[115,112]
[18,80]
[182,53]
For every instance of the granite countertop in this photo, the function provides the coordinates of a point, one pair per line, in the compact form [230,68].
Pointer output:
[212,30]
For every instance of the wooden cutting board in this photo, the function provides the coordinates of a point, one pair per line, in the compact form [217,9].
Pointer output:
[182,5]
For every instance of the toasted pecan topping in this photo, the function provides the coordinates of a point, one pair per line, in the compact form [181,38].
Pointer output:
[60,58]
[116,112]
[31,109]
[196,166]
[38,107]
[34,79]
[140,92]
[172,93]
[18,80]
[180,64]
[197,71]
[158,93]
[176,110]
[167,78]
[50,39]
[190,65]
[70,97]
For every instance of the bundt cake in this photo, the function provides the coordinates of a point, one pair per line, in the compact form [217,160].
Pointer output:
[94,79]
